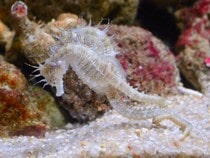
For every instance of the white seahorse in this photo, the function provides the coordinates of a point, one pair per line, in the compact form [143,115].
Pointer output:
[91,55]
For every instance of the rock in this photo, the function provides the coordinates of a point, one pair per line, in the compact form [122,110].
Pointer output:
[82,103]
[64,20]
[117,11]
[190,16]
[194,46]
[149,64]
[11,77]
[6,36]
[25,110]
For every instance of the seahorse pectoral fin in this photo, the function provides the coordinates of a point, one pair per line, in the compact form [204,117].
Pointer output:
[185,126]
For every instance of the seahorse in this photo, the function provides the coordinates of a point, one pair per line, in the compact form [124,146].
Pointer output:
[91,55]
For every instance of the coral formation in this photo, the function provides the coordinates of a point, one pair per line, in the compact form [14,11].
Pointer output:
[24,108]
[193,44]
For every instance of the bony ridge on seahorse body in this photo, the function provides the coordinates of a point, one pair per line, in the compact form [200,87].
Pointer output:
[100,70]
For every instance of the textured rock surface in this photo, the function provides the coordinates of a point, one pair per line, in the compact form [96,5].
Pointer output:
[194,46]
[6,36]
[116,10]
[116,136]
[82,103]
[24,110]
[149,64]
[11,77]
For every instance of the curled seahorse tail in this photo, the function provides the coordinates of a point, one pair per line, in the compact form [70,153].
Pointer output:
[133,94]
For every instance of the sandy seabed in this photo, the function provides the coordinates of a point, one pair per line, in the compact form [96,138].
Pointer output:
[116,136]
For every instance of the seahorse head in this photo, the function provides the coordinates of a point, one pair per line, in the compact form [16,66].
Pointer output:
[53,72]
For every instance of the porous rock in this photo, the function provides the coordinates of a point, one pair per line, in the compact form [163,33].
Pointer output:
[149,64]
[6,36]
[82,103]
[24,110]
[193,45]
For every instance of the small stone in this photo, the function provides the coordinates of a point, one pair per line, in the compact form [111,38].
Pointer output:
[84,143]
[138,132]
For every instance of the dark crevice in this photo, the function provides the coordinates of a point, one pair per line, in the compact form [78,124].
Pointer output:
[159,21]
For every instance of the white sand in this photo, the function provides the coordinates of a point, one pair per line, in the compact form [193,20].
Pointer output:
[114,135]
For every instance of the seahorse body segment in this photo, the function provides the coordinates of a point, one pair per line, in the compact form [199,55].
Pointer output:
[91,54]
